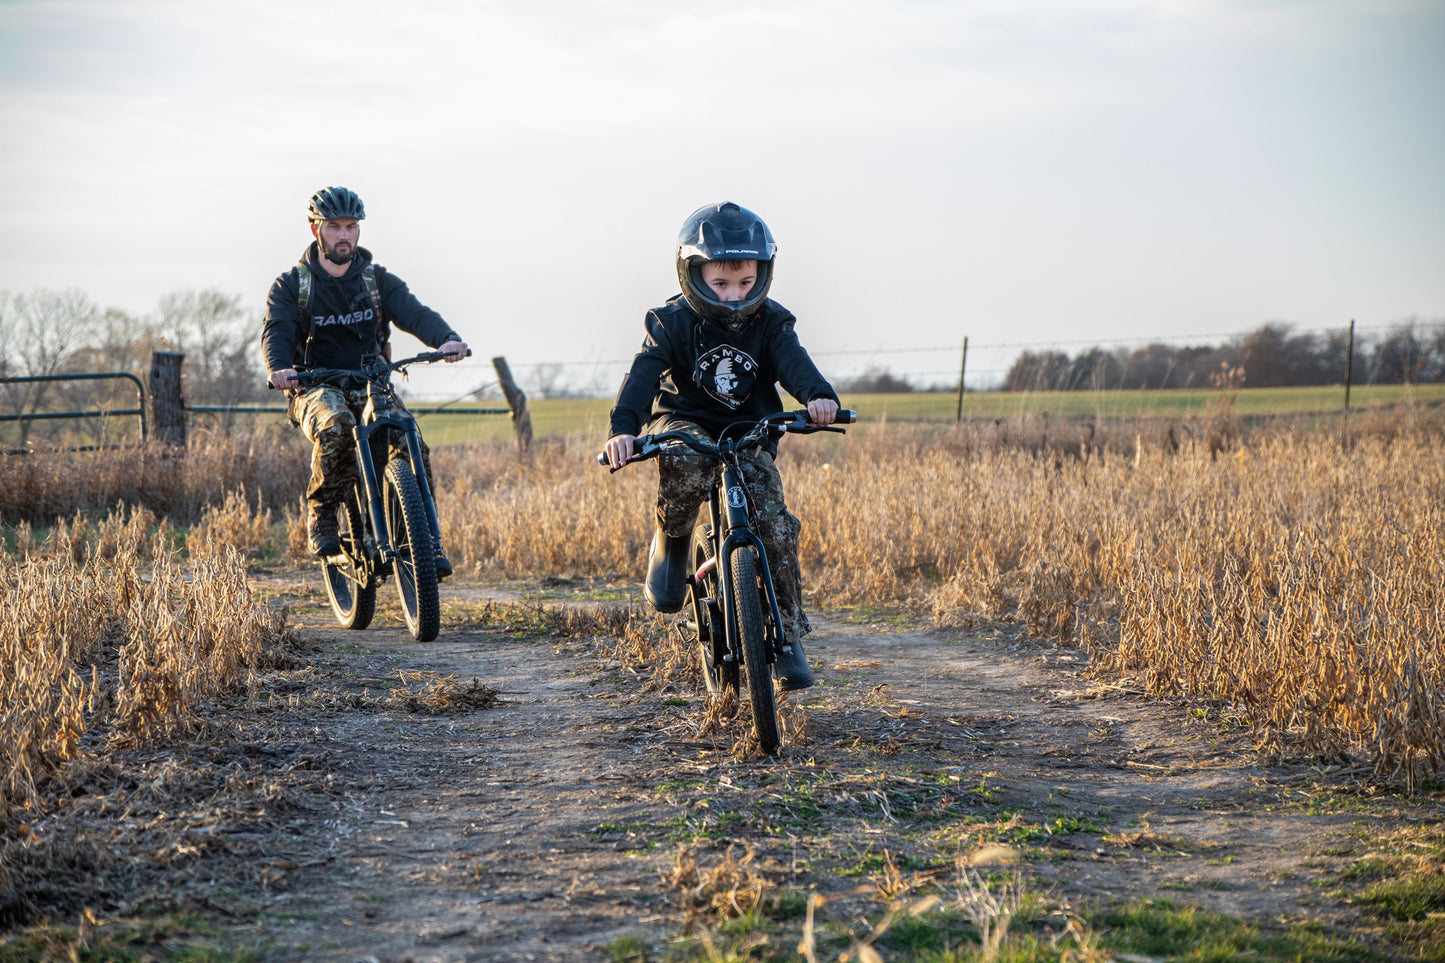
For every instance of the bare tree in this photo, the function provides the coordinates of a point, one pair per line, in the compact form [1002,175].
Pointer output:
[7,321]
[1038,371]
[875,379]
[212,330]
[38,333]
[547,380]
[1402,356]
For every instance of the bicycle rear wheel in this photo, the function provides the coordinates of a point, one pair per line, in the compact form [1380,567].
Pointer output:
[415,566]
[755,649]
[712,644]
[348,583]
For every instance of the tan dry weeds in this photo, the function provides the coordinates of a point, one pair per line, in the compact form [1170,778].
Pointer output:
[1291,577]
[727,887]
[102,630]
[270,462]
[431,693]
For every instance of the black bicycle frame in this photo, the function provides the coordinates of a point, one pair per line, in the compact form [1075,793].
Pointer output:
[732,523]
[366,463]
[736,534]
[373,438]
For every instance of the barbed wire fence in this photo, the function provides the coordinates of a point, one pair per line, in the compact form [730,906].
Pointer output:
[926,367]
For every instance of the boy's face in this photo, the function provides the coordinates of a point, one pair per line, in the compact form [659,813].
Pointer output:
[730,280]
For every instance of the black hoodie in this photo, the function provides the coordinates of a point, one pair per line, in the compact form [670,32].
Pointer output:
[713,375]
[343,326]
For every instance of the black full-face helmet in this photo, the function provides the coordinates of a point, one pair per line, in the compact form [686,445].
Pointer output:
[333,202]
[723,232]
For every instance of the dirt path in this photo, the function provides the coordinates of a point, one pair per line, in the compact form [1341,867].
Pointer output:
[546,827]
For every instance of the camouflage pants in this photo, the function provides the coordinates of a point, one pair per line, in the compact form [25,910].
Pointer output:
[327,416]
[683,484]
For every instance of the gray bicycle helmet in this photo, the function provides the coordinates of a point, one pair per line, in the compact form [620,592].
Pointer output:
[333,202]
[724,232]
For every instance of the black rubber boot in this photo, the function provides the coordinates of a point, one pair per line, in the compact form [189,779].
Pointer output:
[322,533]
[666,586]
[793,670]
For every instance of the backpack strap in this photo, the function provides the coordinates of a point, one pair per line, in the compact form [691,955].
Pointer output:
[303,306]
[383,330]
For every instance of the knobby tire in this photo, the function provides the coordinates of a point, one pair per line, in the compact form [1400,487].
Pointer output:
[353,602]
[415,566]
[755,649]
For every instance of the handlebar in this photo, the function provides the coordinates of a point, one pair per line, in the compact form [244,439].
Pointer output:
[783,423]
[312,377]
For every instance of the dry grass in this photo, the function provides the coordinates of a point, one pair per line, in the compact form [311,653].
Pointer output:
[271,463]
[431,693]
[233,524]
[103,632]
[1296,581]
[1293,575]
[558,513]
[728,887]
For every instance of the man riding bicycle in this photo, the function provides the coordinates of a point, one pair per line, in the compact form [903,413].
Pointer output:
[335,309]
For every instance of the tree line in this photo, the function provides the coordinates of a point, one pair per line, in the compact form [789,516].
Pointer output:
[64,332]
[1270,357]
[58,332]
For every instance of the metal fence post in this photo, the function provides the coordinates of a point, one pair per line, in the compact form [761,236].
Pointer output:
[168,408]
[1349,364]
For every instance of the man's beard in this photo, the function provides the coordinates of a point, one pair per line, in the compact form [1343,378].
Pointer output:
[331,254]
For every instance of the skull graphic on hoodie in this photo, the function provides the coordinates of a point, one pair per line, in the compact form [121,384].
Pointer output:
[726,374]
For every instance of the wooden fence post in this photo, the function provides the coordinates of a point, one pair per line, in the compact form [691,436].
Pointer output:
[168,408]
[517,401]
[962,367]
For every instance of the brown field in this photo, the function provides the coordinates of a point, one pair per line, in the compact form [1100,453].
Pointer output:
[1290,576]
[1286,582]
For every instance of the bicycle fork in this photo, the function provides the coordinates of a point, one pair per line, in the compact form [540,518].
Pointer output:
[737,533]
[367,465]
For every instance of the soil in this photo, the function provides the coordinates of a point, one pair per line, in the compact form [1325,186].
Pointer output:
[556,805]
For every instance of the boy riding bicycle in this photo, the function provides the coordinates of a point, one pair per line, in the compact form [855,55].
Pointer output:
[710,358]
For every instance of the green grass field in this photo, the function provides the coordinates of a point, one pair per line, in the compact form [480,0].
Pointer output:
[588,416]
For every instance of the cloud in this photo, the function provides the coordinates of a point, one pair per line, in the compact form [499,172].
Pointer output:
[1058,150]
[437,66]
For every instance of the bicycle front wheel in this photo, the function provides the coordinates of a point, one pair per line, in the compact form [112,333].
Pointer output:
[415,566]
[348,578]
[755,649]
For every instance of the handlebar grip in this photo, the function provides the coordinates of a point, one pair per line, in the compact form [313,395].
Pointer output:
[845,416]
[602,459]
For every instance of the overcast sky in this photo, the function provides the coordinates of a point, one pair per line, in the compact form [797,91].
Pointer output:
[1035,172]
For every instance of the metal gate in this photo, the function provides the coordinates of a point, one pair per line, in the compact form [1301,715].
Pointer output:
[138,411]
